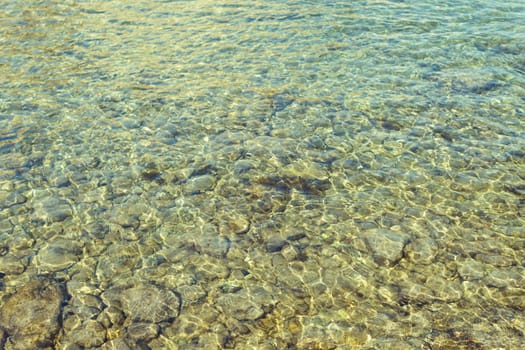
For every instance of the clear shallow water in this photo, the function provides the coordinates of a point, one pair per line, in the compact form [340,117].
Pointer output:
[266,175]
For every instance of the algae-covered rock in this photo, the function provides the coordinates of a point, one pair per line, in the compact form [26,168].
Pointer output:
[30,316]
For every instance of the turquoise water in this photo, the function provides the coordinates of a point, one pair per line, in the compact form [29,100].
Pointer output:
[262,175]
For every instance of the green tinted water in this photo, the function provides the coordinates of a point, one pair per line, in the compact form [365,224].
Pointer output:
[266,175]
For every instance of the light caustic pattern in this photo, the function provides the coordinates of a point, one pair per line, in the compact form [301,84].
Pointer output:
[266,175]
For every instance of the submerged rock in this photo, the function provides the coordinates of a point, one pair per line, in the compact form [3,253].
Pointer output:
[422,251]
[116,344]
[212,245]
[199,184]
[58,255]
[246,305]
[386,246]
[89,334]
[11,265]
[30,316]
[146,303]
[3,336]
[11,198]
[52,209]
[143,331]
[240,307]
[233,223]
[471,270]
[298,183]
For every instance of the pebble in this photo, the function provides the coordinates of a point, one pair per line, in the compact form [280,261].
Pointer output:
[206,268]
[191,294]
[30,316]
[503,278]
[58,255]
[305,170]
[52,209]
[422,250]
[60,181]
[128,214]
[166,137]
[240,306]
[146,303]
[111,317]
[70,319]
[82,312]
[444,290]
[3,336]
[233,222]
[289,253]
[496,260]
[315,335]
[243,165]
[386,246]
[471,270]
[199,184]
[212,245]
[275,244]
[21,241]
[143,331]
[186,327]
[5,224]
[12,265]
[116,344]
[114,265]
[415,294]
[89,334]
[10,198]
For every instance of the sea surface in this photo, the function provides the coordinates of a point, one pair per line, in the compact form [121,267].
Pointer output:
[262,174]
